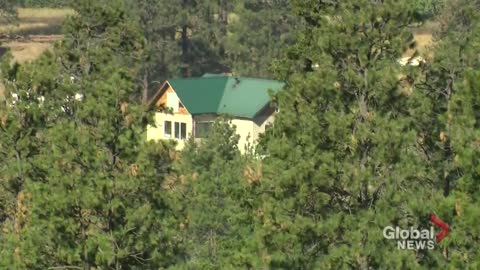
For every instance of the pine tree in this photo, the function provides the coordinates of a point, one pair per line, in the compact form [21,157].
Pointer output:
[219,200]
[21,123]
[97,200]
[450,134]
[342,160]
[203,36]
[429,8]
[184,38]
[190,37]
[258,33]
[157,20]
[7,10]
[460,205]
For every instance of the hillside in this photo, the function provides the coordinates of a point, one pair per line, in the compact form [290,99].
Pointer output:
[38,28]
[35,31]
[33,34]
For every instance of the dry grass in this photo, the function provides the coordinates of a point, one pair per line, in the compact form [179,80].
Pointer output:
[36,21]
[34,33]
[423,35]
[26,51]
[36,30]
[423,42]
[43,13]
[22,27]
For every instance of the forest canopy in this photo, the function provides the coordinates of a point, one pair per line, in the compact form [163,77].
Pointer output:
[359,141]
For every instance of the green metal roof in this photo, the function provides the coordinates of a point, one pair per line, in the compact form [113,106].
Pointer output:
[222,94]
[213,75]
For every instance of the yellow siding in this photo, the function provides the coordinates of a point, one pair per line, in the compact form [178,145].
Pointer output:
[245,128]
[157,132]
[248,129]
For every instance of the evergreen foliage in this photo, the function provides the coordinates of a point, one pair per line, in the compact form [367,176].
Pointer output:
[342,157]
[360,142]
[96,200]
[451,83]
[43,3]
[259,33]
[7,10]
[189,38]
[219,201]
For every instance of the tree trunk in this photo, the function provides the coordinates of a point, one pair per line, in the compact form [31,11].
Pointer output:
[223,16]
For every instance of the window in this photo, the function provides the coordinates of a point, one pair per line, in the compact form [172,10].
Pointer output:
[177,130]
[183,131]
[167,129]
[202,129]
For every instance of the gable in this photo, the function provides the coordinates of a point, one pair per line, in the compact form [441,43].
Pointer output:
[168,98]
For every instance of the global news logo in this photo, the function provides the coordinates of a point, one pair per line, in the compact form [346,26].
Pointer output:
[416,239]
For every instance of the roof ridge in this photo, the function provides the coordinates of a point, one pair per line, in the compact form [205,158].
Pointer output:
[198,78]
[225,77]
[223,93]
[253,78]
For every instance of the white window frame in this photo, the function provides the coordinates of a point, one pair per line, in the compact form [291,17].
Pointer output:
[176,130]
[180,129]
[165,124]
[183,127]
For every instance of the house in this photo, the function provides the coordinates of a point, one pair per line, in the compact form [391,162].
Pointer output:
[195,103]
